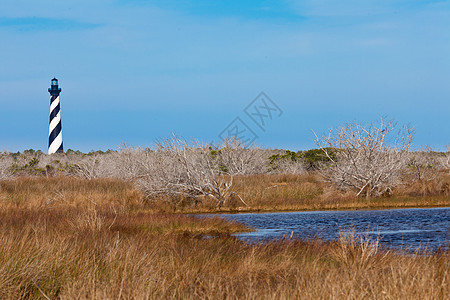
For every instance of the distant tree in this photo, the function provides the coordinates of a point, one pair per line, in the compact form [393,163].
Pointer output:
[422,164]
[73,152]
[96,152]
[29,152]
[315,159]
[288,163]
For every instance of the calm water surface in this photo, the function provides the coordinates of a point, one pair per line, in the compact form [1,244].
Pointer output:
[406,229]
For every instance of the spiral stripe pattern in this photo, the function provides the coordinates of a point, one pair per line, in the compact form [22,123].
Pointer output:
[55,142]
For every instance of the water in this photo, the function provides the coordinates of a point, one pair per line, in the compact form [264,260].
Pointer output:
[401,229]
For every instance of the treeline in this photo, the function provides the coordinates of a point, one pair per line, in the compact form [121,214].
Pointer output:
[354,157]
[98,164]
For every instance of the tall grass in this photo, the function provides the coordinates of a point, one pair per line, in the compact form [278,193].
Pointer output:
[76,255]
[77,239]
[32,192]
[258,192]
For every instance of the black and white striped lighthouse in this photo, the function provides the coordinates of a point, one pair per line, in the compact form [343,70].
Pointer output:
[55,142]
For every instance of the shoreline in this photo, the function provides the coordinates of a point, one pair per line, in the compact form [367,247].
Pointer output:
[262,210]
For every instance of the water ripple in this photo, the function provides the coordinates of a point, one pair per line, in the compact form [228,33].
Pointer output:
[409,229]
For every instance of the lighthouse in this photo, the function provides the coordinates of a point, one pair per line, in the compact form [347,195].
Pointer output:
[55,142]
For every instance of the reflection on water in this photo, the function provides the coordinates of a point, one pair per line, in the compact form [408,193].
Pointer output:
[399,228]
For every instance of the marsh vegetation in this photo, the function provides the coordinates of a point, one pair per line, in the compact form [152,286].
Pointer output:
[76,238]
[108,224]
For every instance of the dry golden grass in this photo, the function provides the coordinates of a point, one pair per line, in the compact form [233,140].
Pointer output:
[76,254]
[260,192]
[69,238]
[42,192]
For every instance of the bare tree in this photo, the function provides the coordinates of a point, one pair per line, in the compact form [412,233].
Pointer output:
[366,158]
[199,172]
[235,158]
[178,167]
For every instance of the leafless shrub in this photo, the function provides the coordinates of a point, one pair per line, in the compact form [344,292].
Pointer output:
[422,164]
[93,166]
[58,164]
[188,169]
[131,163]
[192,170]
[237,159]
[444,160]
[289,166]
[363,160]
[5,165]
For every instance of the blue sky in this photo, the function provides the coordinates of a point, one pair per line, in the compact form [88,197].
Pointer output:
[134,71]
